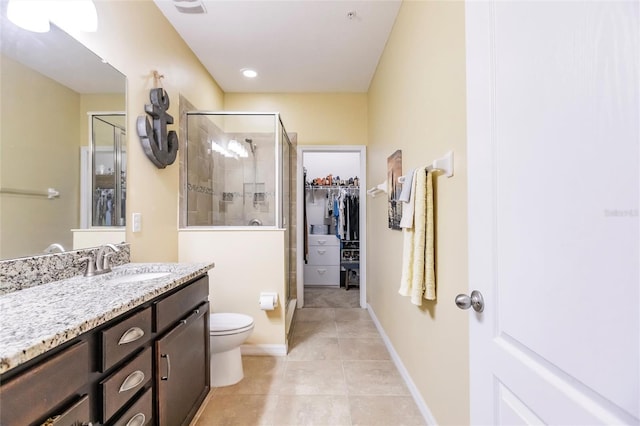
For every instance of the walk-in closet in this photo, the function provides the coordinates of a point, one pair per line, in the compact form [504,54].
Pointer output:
[332,220]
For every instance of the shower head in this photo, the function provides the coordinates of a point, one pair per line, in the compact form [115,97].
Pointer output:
[251,145]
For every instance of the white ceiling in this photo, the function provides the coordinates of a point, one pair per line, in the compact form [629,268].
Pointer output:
[294,45]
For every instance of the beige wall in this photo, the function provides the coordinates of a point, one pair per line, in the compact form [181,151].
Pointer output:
[39,150]
[136,39]
[317,118]
[83,238]
[98,103]
[246,263]
[417,104]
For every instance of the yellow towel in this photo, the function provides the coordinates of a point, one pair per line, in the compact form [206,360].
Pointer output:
[418,275]
[408,236]
[429,252]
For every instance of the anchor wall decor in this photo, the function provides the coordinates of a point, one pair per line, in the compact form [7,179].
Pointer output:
[160,145]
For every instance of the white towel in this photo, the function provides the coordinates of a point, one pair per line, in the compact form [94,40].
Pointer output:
[407,208]
[405,195]
[418,277]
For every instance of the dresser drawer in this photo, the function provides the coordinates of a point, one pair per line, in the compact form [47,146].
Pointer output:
[324,255]
[180,303]
[323,240]
[125,337]
[321,275]
[140,413]
[122,385]
[43,388]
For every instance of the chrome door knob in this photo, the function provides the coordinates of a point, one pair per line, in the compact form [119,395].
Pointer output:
[476,301]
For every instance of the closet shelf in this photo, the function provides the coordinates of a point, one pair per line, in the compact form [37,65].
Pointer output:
[331,186]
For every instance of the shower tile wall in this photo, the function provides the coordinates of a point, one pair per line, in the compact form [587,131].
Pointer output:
[293,219]
[221,191]
[241,179]
[197,174]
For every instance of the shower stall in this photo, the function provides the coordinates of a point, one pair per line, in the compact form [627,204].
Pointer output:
[237,180]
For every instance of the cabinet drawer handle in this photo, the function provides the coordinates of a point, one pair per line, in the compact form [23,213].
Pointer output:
[322,242]
[195,312]
[137,420]
[321,251]
[168,366]
[133,380]
[131,335]
[322,271]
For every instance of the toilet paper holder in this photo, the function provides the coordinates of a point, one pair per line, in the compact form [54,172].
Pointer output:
[268,301]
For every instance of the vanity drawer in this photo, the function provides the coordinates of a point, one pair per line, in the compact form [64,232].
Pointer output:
[121,339]
[77,414]
[323,240]
[177,305]
[122,385]
[140,413]
[324,255]
[321,275]
[27,397]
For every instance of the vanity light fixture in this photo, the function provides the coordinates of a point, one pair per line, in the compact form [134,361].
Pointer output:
[29,15]
[222,150]
[79,15]
[249,73]
[70,15]
[237,149]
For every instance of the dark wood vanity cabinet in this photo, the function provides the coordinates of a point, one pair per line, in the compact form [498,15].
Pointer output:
[55,385]
[149,366]
[182,354]
[183,368]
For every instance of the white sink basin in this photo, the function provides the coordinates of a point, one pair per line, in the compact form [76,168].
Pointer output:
[136,277]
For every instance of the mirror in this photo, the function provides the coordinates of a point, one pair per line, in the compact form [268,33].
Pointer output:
[50,85]
[109,175]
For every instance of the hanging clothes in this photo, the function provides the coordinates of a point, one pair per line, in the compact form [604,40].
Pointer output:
[346,211]
[354,217]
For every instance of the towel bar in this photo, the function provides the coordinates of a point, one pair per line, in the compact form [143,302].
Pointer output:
[378,189]
[443,164]
[50,193]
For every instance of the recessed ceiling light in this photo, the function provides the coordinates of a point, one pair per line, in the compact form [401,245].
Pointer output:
[249,73]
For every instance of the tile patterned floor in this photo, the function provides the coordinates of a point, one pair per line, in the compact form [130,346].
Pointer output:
[338,372]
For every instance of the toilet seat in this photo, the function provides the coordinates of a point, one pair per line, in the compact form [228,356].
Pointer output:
[229,323]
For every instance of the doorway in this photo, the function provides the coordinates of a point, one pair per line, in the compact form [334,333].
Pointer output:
[332,156]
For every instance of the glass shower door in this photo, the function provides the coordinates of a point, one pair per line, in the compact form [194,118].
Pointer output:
[108,191]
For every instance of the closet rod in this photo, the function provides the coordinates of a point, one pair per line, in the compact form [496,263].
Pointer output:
[331,187]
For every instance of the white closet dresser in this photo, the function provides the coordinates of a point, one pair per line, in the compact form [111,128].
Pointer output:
[323,267]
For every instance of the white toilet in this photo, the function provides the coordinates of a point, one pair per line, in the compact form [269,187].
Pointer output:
[227,331]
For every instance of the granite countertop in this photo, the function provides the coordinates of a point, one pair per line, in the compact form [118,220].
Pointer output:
[37,319]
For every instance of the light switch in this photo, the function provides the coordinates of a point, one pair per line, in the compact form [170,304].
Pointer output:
[137,222]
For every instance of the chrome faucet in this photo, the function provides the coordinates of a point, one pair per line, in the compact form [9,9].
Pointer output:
[102,258]
[102,264]
[55,247]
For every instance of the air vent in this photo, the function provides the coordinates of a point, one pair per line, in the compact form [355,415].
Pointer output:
[189,6]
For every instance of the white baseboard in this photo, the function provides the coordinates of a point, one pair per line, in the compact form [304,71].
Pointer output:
[264,350]
[417,397]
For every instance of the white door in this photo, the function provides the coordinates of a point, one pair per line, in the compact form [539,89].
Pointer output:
[553,156]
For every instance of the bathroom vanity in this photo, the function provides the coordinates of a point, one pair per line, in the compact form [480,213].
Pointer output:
[126,348]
